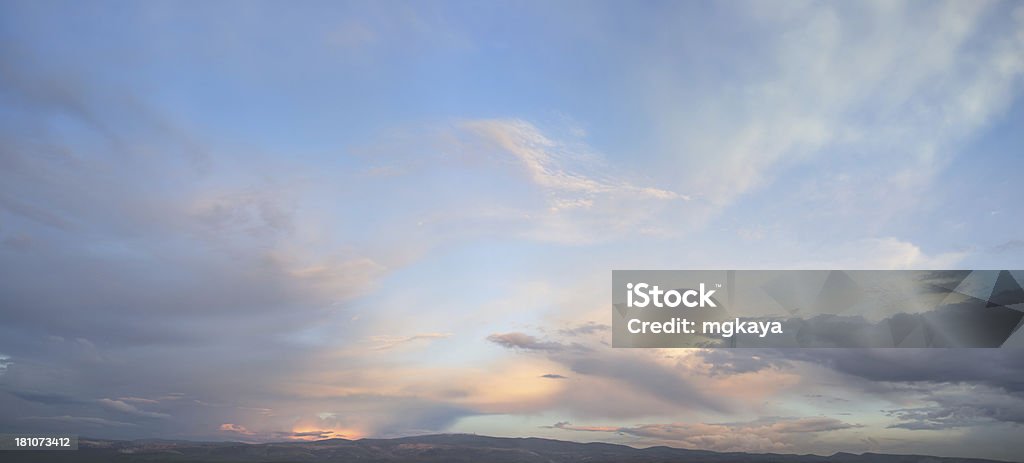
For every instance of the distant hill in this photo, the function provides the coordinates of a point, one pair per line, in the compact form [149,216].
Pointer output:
[448,448]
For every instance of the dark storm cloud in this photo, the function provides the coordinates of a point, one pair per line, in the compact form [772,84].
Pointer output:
[934,418]
[889,369]
[729,362]
[960,388]
[954,406]
[1002,368]
[974,323]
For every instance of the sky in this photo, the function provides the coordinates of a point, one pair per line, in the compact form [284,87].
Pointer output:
[261,221]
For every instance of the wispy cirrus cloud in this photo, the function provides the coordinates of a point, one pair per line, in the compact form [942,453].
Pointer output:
[80,420]
[385,342]
[129,409]
[556,166]
[529,343]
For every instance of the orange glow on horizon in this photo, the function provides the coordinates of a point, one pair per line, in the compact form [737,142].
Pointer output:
[310,433]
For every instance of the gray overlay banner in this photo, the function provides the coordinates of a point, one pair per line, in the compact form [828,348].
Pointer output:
[818,308]
[38,442]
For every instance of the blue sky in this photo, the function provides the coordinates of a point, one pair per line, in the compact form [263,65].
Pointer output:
[242,220]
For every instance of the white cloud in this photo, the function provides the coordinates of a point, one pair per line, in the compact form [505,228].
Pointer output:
[880,253]
[548,162]
[585,200]
[386,342]
[80,420]
[129,409]
[511,177]
[236,429]
[888,92]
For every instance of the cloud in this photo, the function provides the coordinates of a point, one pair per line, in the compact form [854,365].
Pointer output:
[825,139]
[48,398]
[933,389]
[585,202]
[80,420]
[585,329]
[553,376]
[813,424]
[1000,368]
[147,244]
[129,409]
[391,342]
[534,181]
[762,435]
[138,400]
[634,373]
[647,377]
[822,98]
[544,161]
[1009,246]
[526,342]
[234,428]
[961,406]
[729,362]
[390,416]
[882,254]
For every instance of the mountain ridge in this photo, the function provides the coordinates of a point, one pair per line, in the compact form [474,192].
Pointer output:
[431,448]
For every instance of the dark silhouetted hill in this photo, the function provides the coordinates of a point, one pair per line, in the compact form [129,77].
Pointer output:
[448,448]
